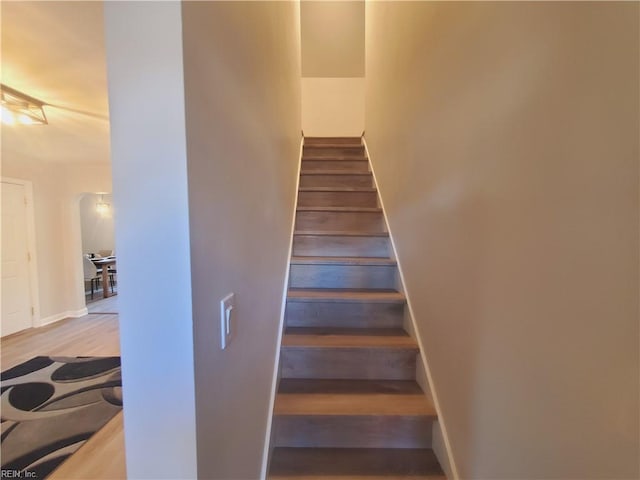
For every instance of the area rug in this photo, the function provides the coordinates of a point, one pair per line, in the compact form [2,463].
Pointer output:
[51,406]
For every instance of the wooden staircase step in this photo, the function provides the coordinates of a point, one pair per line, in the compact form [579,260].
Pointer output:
[334,164]
[341,244]
[317,274]
[344,315]
[347,196]
[343,272]
[333,338]
[335,151]
[334,353]
[328,155]
[337,172]
[313,260]
[335,178]
[344,295]
[337,189]
[354,464]
[352,404]
[341,209]
[353,431]
[341,233]
[366,219]
[332,140]
[353,146]
[303,385]
[357,331]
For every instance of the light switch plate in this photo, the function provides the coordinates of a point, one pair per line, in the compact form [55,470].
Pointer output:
[227,319]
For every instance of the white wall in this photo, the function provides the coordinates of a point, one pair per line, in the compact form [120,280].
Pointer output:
[332,68]
[149,160]
[242,84]
[216,206]
[96,227]
[504,137]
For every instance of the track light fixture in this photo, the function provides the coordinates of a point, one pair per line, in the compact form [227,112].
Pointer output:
[21,109]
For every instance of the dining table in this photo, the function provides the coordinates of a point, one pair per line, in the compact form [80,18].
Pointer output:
[105,263]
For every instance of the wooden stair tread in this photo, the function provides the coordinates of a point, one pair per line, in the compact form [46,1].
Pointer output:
[336,157]
[393,332]
[338,189]
[389,404]
[306,385]
[341,209]
[335,145]
[357,477]
[339,140]
[338,340]
[372,261]
[341,233]
[333,172]
[345,295]
[354,463]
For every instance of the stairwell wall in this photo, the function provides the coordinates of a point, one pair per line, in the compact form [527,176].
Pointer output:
[332,56]
[243,117]
[504,137]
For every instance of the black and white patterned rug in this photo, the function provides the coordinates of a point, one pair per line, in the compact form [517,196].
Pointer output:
[51,406]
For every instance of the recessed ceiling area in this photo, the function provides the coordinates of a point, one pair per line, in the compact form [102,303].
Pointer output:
[54,51]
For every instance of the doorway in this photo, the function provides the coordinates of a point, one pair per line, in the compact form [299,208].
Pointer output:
[19,298]
[98,247]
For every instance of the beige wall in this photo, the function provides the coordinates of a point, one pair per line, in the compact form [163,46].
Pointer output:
[333,107]
[332,38]
[504,137]
[332,68]
[57,188]
[242,87]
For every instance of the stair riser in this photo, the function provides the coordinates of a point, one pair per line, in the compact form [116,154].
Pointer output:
[339,246]
[352,431]
[343,276]
[310,141]
[341,165]
[344,315]
[331,221]
[349,362]
[336,180]
[325,151]
[354,463]
[338,199]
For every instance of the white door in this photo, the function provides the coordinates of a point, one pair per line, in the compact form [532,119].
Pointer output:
[16,292]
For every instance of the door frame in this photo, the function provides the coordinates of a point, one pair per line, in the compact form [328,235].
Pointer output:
[31,246]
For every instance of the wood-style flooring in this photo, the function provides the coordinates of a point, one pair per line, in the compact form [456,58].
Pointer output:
[102,457]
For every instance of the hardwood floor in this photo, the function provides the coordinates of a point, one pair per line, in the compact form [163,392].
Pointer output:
[102,457]
[104,305]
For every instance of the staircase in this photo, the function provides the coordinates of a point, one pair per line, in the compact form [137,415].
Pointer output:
[348,405]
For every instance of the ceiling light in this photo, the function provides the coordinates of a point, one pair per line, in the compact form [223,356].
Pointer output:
[102,208]
[19,108]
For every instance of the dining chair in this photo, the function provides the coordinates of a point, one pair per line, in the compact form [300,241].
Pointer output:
[92,273]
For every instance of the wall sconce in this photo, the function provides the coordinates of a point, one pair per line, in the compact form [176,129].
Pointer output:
[19,108]
[102,208]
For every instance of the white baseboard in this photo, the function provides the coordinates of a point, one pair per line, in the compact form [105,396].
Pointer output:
[60,316]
